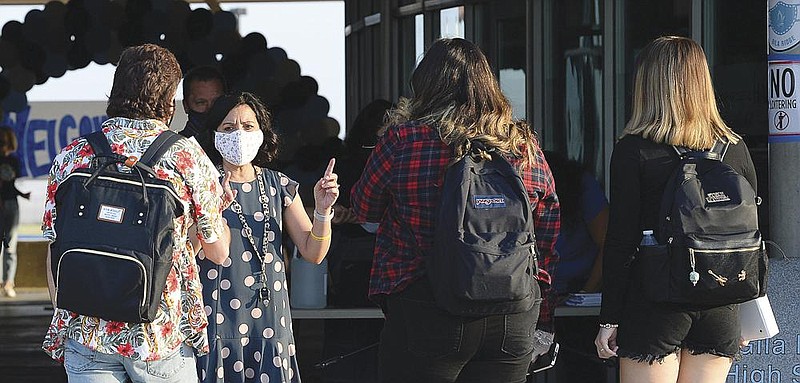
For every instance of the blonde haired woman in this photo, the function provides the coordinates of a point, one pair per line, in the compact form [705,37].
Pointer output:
[456,99]
[673,105]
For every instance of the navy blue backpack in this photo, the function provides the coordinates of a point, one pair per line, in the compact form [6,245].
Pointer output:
[484,258]
[113,247]
[711,250]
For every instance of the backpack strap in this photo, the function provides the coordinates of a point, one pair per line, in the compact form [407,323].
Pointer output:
[716,153]
[99,143]
[720,148]
[159,146]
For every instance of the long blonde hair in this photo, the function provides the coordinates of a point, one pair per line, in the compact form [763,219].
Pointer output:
[673,98]
[456,93]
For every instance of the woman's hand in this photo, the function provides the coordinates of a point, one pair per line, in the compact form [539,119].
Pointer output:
[326,190]
[606,343]
[228,195]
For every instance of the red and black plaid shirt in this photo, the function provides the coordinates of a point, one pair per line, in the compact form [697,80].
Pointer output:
[399,188]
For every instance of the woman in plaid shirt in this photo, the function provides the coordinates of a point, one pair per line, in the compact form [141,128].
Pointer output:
[456,99]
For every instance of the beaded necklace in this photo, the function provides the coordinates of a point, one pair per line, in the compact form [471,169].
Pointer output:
[263,291]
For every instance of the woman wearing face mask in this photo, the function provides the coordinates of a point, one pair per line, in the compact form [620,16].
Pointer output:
[246,297]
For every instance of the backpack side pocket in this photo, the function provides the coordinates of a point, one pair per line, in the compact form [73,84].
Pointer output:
[655,270]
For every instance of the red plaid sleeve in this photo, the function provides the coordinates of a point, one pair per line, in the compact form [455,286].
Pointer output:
[539,182]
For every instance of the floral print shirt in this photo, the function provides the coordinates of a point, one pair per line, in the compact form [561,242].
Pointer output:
[180,317]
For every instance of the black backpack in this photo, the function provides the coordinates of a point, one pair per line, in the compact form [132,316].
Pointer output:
[113,247]
[483,261]
[713,253]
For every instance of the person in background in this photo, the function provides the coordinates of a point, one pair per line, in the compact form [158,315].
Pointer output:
[584,220]
[9,172]
[456,99]
[201,87]
[673,105]
[246,298]
[95,350]
[351,252]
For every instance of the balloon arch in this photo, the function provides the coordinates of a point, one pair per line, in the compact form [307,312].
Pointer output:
[69,36]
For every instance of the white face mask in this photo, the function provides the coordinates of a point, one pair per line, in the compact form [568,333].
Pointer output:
[238,147]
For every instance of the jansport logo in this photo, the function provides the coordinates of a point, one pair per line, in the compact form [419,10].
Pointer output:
[489,201]
[717,197]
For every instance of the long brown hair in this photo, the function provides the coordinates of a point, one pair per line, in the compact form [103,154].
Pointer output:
[673,98]
[145,82]
[456,92]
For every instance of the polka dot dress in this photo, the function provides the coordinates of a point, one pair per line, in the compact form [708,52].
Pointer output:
[250,342]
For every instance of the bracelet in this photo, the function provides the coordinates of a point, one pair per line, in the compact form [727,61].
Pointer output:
[608,325]
[323,218]
[318,238]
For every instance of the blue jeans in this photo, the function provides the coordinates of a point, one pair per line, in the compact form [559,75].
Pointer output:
[10,222]
[421,343]
[87,366]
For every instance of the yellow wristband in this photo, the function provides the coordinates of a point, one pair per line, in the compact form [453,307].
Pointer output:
[318,238]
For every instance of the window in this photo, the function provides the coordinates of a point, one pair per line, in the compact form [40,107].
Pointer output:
[574,62]
[412,47]
[452,22]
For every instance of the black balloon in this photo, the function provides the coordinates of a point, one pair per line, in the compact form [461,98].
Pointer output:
[199,23]
[21,79]
[277,54]
[154,26]
[5,86]
[287,71]
[78,56]
[69,36]
[31,55]
[55,65]
[254,43]
[12,31]
[309,85]
[97,39]
[201,53]
[261,66]
[8,54]
[56,7]
[35,27]
[76,20]
[224,21]
[15,101]
[317,106]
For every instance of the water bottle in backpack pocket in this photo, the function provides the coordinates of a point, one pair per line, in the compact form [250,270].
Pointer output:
[652,262]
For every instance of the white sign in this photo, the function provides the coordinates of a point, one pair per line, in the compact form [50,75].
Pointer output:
[784,24]
[44,128]
[784,86]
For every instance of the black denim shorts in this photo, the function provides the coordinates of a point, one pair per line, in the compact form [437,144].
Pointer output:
[649,332]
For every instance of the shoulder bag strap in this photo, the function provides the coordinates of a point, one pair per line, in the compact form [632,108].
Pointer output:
[159,146]
[99,143]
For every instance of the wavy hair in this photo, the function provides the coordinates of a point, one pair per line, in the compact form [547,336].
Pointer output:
[456,93]
[222,106]
[8,139]
[145,83]
[673,97]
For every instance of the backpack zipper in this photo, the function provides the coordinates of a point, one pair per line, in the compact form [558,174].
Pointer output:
[694,276]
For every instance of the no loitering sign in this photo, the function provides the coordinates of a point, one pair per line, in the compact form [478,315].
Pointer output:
[784,91]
